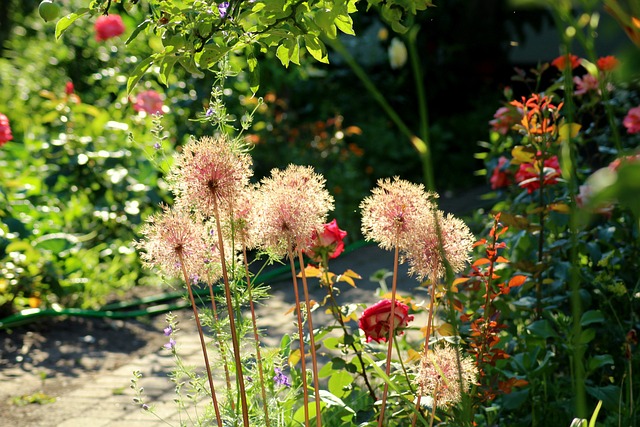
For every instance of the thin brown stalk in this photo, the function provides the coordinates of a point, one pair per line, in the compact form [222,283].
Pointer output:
[301,333]
[392,321]
[232,323]
[426,343]
[223,352]
[214,399]
[256,337]
[312,343]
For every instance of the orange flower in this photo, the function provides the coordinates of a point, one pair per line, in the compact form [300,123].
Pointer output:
[607,63]
[561,62]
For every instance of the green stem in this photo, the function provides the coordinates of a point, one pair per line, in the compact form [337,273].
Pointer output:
[425,153]
[420,145]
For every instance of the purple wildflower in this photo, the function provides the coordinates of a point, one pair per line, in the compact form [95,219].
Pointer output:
[157,146]
[209,112]
[170,345]
[281,379]
[168,331]
[222,8]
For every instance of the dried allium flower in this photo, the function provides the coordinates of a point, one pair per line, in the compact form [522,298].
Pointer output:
[170,236]
[393,209]
[292,203]
[240,227]
[423,251]
[444,374]
[208,169]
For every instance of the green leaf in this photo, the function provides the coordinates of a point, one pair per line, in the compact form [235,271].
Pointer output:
[586,336]
[144,24]
[137,74]
[339,383]
[591,316]
[316,48]
[543,329]
[594,416]
[66,21]
[166,65]
[599,361]
[345,24]
[254,72]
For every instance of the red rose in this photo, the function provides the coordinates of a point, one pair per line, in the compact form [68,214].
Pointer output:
[528,176]
[329,242]
[375,320]
[500,176]
[149,101]
[5,130]
[68,88]
[108,26]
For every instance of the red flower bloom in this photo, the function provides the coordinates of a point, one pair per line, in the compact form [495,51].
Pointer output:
[528,176]
[149,101]
[632,120]
[5,130]
[500,177]
[329,242]
[108,26]
[68,88]
[375,320]
[561,61]
[607,63]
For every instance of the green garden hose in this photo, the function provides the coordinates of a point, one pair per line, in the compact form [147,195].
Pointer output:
[155,305]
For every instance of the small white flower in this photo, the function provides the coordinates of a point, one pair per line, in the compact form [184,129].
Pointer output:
[397,53]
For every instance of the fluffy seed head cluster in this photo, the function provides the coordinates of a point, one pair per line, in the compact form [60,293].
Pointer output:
[402,214]
[240,226]
[444,374]
[423,252]
[171,237]
[209,171]
[292,203]
[393,210]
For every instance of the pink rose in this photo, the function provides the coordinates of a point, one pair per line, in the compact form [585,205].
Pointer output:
[632,120]
[586,84]
[503,120]
[108,26]
[528,176]
[375,320]
[329,242]
[500,177]
[149,101]
[5,130]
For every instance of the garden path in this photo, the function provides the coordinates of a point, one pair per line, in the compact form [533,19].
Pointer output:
[102,397]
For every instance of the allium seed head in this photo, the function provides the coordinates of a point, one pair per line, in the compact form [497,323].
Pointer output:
[169,237]
[292,203]
[209,169]
[393,210]
[445,374]
[423,251]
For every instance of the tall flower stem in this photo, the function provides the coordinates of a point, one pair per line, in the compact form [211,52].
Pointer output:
[232,323]
[223,352]
[312,343]
[214,398]
[392,321]
[303,363]
[256,337]
[426,341]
